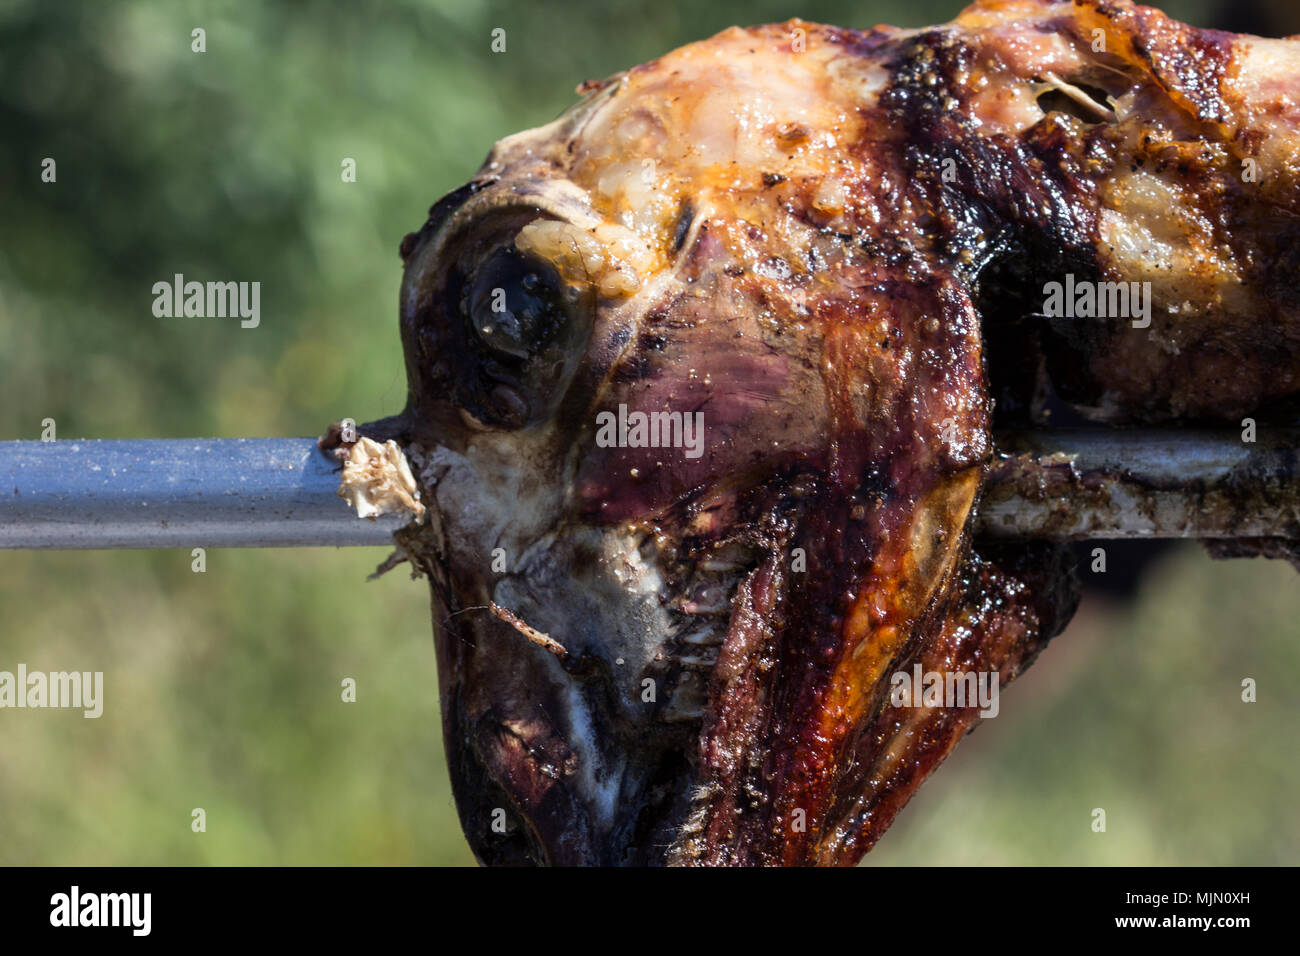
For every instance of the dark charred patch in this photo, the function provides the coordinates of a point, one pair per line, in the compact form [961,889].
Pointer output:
[591,86]
[652,341]
[1037,184]
[1278,270]
[1286,549]
[1189,63]
[620,338]
[635,366]
[1032,360]
[1010,213]
[685,216]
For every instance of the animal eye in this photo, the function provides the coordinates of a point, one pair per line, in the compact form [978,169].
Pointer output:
[514,306]
[491,329]
[522,332]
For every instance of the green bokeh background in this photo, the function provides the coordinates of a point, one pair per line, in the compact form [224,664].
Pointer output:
[223,688]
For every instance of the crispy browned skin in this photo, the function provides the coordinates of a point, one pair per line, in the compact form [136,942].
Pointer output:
[795,231]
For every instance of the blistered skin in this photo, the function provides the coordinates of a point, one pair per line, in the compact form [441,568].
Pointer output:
[801,238]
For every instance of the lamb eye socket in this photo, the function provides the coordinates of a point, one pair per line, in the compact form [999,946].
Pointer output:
[515,306]
[517,330]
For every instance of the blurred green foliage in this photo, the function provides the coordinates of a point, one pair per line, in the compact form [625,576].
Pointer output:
[223,688]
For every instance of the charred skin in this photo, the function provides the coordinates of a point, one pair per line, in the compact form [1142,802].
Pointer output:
[806,234]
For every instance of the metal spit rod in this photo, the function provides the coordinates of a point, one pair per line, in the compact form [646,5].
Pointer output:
[176,493]
[281,492]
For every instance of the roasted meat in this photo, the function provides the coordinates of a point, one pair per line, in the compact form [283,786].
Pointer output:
[701,384]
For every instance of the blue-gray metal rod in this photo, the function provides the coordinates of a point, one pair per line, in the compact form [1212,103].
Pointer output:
[176,493]
[277,492]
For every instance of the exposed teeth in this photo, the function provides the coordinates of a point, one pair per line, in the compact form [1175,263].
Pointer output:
[709,598]
[704,637]
[725,567]
[705,660]
[700,614]
[695,607]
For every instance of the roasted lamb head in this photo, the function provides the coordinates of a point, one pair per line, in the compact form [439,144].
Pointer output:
[700,401]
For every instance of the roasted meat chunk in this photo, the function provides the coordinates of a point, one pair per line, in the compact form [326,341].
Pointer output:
[701,384]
